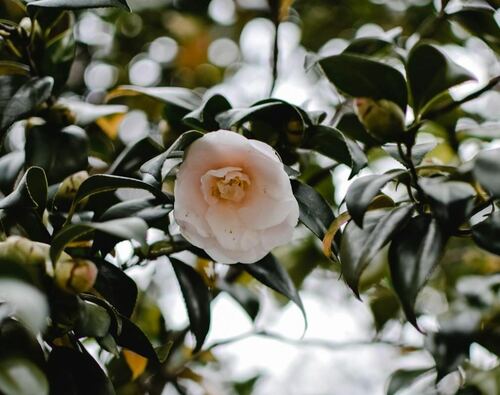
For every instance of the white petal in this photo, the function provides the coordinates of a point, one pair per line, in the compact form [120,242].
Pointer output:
[263,212]
[225,225]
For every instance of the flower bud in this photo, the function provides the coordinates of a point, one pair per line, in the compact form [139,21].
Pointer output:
[19,250]
[70,185]
[75,275]
[383,119]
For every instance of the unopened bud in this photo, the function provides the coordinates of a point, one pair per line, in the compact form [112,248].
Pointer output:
[70,185]
[295,132]
[26,26]
[19,250]
[75,275]
[383,119]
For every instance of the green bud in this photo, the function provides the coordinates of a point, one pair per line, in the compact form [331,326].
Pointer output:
[75,275]
[383,119]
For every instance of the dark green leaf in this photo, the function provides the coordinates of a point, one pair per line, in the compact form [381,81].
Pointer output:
[237,116]
[60,51]
[73,372]
[9,84]
[418,151]
[27,98]
[451,202]
[116,287]
[244,296]
[270,273]
[10,167]
[20,376]
[132,157]
[17,341]
[486,170]
[315,213]
[357,76]
[204,117]
[77,4]
[197,298]
[179,97]
[368,46]
[125,229]
[30,193]
[146,209]
[155,165]
[431,72]
[403,378]
[134,339]
[486,234]
[93,321]
[359,246]
[60,153]
[106,183]
[413,255]
[480,21]
[332,143]
[352,127]
[362,191]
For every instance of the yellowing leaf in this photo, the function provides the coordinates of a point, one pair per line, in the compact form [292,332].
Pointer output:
[110,125]
[135,362]
[332,231]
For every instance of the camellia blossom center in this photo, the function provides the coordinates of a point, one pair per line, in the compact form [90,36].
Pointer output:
[226,184]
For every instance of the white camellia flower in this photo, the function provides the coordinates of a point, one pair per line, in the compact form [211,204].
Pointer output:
[233,198]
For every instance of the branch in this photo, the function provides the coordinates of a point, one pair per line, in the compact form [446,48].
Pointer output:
[333,346]
[451,106]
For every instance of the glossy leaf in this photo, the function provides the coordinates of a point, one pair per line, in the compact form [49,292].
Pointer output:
[77,4]
[73,372]
[204,117]
[479,20]
[451,202]
[413,255]
[11,165]
[60,153]
[125,229]
[358,76]
[30,193]
[134,339]
[147,209]
[486,170]
[179,97]
[197,298]
[419,151]
[26,99]
[360,246]
[20,376]
[333,144]
[270,273]
[315,213]
[93,321]
[107,183]
[26,303]
[486,234]
[154,166]
[431,72]
[133,156]
[362,191]
[261,109]
[116,287]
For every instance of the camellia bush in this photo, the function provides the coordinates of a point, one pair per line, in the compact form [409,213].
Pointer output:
[218,188]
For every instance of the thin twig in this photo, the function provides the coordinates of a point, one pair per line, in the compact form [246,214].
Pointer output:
[451,106]
[334,346]
[275,57]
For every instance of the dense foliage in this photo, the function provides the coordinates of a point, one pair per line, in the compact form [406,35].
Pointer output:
[67,171]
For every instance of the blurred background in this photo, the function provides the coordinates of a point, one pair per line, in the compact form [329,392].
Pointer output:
[226,46]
